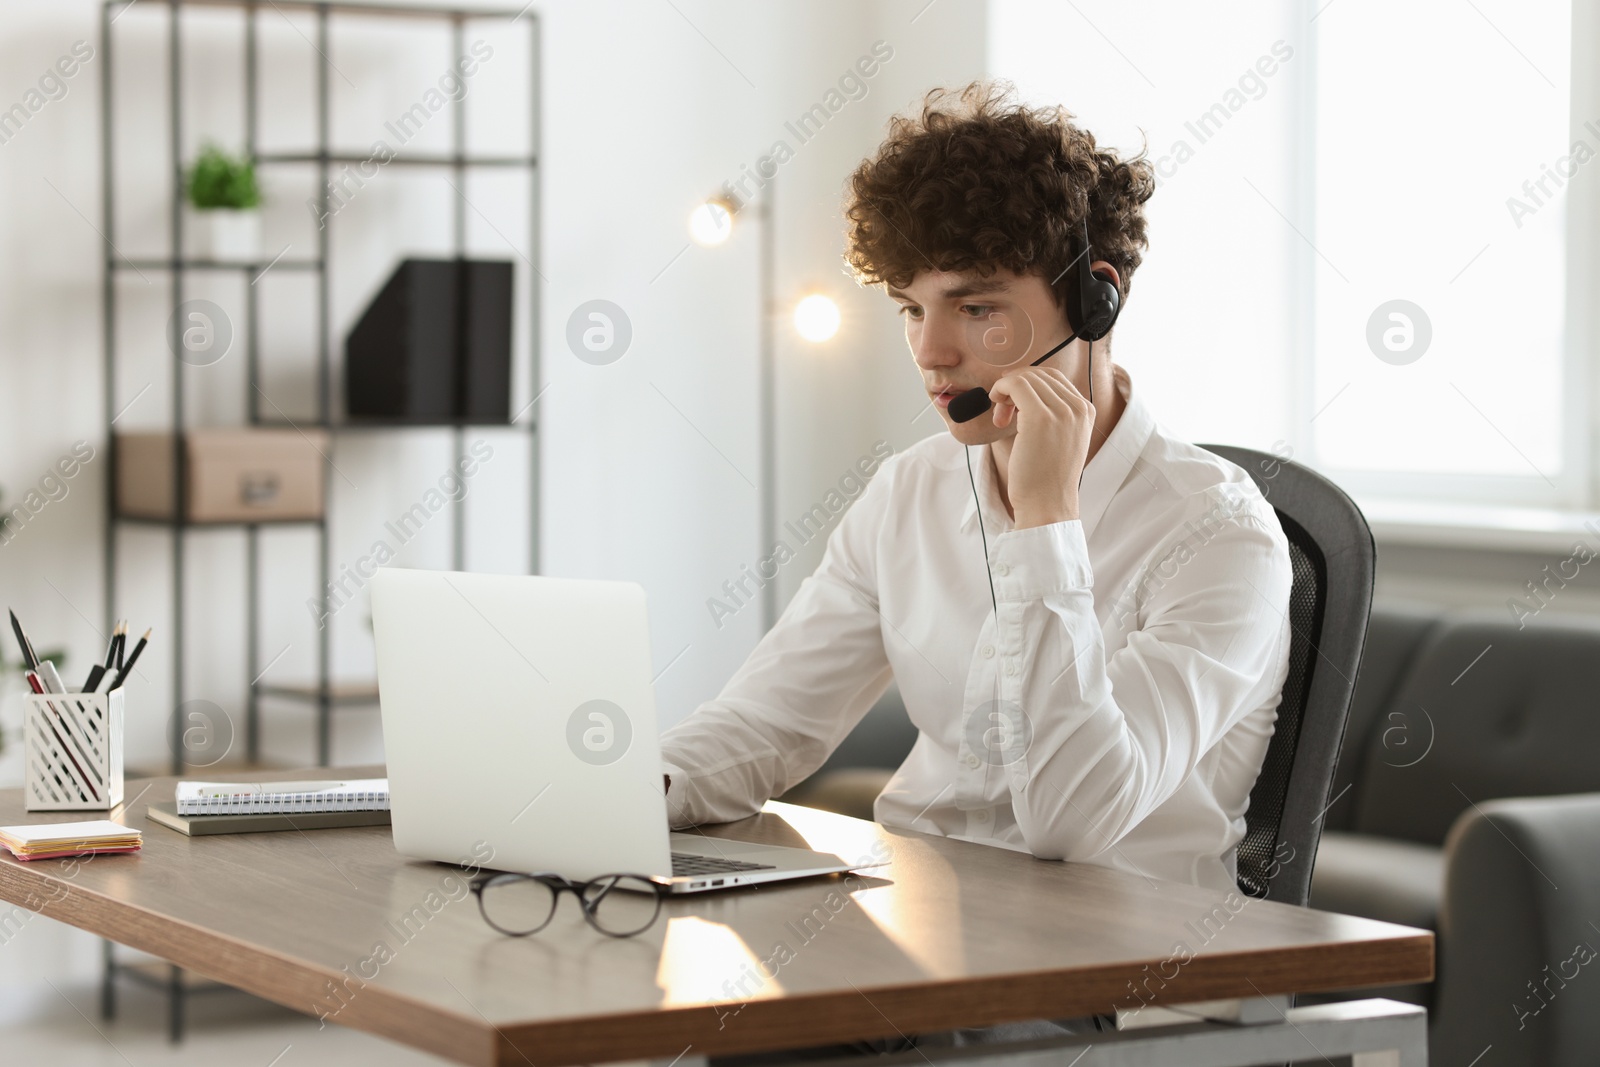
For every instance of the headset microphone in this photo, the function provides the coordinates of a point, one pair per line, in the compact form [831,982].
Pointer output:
[1091,318]
[974,402]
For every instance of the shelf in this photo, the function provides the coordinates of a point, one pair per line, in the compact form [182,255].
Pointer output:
[527,426]
[431,160]
[350,8]
[340,694]
[315,262]
[343,427]
[233,524]
[212,264]
[382,427]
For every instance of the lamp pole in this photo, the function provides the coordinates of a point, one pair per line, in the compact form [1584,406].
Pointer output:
[766,415]
[710,224]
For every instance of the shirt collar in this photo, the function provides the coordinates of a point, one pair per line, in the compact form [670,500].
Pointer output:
[1103,476]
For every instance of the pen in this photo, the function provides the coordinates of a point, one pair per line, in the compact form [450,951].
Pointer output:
[51,677]
[127,669]
[122,641]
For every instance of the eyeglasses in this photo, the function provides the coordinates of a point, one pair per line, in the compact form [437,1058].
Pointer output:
[617,905]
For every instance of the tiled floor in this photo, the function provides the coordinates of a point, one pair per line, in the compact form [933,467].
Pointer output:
[50,1005]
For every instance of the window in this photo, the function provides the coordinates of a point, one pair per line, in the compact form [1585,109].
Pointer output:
[1435,140]
[1359,237]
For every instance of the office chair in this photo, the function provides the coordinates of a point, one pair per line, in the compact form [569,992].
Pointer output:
[1331,549]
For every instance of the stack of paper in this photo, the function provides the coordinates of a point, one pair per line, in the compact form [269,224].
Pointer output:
[50,840]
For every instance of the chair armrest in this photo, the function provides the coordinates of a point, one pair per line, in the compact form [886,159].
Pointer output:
[1519,951]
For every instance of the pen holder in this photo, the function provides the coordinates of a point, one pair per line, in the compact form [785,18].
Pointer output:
[73,743]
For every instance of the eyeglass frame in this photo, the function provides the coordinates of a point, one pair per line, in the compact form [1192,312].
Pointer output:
[558,884]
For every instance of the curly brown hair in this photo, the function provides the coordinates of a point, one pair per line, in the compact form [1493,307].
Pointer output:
[979,182]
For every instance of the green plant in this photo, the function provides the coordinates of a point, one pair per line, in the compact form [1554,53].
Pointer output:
[218,180]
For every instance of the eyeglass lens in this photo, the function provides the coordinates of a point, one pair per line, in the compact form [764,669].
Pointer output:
[516,904]
[620,904]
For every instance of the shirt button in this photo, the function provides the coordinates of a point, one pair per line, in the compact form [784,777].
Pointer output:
[1011,668]
[971,761]
[988,652]
[981,816]
[1002,569]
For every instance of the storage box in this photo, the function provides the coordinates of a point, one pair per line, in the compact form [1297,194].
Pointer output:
[73,743]
[232,475]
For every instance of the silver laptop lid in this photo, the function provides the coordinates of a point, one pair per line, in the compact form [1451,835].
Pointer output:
[519,722]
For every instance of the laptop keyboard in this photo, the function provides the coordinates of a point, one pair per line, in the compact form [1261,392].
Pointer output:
[686,863]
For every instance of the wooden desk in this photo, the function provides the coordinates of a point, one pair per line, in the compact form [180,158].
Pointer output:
[335,923]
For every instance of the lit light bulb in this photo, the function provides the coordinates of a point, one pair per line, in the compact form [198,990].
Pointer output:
[816,318]
[710,223]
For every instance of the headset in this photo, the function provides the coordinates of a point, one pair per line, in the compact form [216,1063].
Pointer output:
[1099,301]
[1091,315]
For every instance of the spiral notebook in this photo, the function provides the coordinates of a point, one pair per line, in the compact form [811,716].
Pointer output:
[275,798]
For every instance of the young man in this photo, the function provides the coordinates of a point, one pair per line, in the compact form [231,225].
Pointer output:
[1110,696]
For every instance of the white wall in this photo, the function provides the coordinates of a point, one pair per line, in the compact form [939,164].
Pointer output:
[678,510]
[646,462]
[50,335]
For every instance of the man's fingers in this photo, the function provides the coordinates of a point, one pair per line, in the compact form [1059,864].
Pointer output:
[1039,386]
[1022,396]
[1065,386]
[1058,384]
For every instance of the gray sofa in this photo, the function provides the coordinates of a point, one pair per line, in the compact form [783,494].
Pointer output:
[1452,715]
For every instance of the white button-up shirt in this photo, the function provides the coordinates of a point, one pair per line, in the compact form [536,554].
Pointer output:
[1117,707]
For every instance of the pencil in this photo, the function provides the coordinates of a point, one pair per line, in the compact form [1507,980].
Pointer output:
[29,657]
[127,669]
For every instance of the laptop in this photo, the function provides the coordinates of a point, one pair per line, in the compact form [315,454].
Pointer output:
[519,728]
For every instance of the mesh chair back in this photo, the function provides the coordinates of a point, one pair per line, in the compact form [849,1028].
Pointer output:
[1330,547]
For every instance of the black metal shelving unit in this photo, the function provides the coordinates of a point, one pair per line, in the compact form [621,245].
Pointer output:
[458,163]
[320,693]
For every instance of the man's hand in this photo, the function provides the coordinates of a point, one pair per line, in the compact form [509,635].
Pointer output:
[1052,443]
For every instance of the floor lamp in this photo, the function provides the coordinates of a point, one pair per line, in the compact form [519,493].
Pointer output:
[816,318]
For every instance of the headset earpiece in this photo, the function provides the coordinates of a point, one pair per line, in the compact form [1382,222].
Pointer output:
[1099,301]
[1091,312]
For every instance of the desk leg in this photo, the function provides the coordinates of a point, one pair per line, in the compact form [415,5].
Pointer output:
[175,993]
[108,981]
